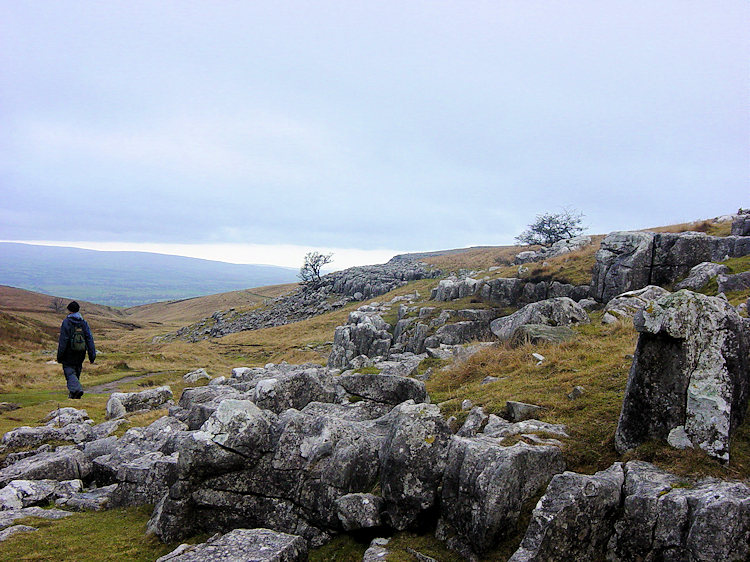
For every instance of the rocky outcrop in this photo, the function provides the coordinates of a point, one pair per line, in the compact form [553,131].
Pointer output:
[627,305]
[388,389]
[506,291]
[559,248]
[412,462]
[484,487]
[736,282]
[121,403]
[258,545]
[25,493]
[741,224]
[689,374]
[638,512]
[332,292]
[560,311]
[540,334]
[364,334]
[700,275]
[65,463]
[667,518]
[631,260]
[574,519]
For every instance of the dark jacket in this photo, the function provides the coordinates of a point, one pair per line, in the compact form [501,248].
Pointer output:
[67,356]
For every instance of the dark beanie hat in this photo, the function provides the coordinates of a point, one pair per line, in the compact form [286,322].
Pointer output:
[74,306]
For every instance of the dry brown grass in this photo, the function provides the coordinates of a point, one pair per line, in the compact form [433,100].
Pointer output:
[476,258]
[186,311]
[599,360]
[707,226]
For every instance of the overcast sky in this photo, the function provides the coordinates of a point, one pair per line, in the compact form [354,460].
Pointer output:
[246,129]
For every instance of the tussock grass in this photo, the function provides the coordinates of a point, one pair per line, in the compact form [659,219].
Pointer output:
[599,360]
[476,258]
[708,226]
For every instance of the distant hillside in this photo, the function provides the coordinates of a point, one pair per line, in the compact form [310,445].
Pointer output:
[127,278]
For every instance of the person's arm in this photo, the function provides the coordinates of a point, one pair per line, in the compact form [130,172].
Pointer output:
[62,343]
[90,348]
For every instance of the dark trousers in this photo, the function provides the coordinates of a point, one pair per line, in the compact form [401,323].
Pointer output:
[72,374]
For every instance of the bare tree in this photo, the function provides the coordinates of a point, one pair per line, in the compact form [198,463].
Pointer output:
[549,228]
[58,304]
[310,270]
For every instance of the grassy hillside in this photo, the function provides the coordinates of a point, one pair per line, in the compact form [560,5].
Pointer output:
[127,278]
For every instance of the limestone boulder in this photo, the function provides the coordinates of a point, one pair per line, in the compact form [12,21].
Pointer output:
[741,225]
[623,263]
[197,375]
[94,499]
[24,493]
[412,461]
[667,518]
[64,463]
[689,371]
[364,334]
[388,389]
[258,545]
[575,518]
[700,275]
[626,306]
[561,311]
[463,332]
[735,282]
[359,511]
[484,487]
[120,403]
[144,480]
[541,334]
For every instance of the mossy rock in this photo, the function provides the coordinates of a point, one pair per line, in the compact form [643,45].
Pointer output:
[540,333]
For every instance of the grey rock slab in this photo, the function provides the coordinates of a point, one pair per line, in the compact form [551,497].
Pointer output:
[64,416]
[541,334]
[412,460]
[574,519]
[359,511]
[144,480]
[700,275]
[474,422]
[735,282]
[627,305]
[521,411]
[389,389]
[560,311]
[95,499]
[5,534]
[197,375]
[24,493]
[8,517]
[151,399]
[690,370]
[247,545]
[668,518]
[484,487]
[240,426]
[62,464]
[377,551]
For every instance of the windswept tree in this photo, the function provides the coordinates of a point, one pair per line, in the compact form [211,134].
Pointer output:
[549,228]
[310,270]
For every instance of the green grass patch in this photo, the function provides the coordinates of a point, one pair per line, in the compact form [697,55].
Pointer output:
[343,548]
[117,534]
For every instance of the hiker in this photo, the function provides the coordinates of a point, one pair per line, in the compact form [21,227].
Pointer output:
[75,342]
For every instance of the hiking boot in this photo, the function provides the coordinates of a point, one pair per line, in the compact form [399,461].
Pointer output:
[78,394]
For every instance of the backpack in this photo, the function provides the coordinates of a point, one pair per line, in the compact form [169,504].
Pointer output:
[78,340]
